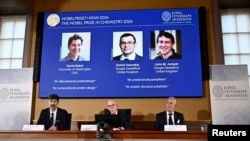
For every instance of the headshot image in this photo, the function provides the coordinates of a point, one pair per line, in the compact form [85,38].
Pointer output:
[127,46]
[75,47]
[165,44]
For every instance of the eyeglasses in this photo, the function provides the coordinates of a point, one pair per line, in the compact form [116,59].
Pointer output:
[109,106]
[127,43]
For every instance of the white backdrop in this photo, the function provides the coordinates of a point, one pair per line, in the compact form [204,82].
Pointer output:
[229,94]
[15,98]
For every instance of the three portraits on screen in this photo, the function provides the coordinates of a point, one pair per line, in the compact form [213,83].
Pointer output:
[127,45]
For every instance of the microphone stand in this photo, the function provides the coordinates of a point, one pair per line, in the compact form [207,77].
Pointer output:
[100,132]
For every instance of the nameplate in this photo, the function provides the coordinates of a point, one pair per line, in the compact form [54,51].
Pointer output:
[175,127]
[88,127]
[33,128]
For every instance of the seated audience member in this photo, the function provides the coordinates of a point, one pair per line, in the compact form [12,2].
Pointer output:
[53,117]
[112,110]
[170,116]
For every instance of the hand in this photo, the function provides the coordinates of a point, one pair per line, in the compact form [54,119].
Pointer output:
[178,121]
[118,129]
[52,128]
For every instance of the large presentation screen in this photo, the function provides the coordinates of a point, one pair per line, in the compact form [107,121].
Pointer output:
[121,54]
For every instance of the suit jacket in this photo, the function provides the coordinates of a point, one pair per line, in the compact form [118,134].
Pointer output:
[125,119]
[62,121]
[137,57]
[161,119]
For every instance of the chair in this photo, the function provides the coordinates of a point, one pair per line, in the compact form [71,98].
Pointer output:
[69,120]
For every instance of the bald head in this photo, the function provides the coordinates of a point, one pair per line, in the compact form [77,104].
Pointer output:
[112,106]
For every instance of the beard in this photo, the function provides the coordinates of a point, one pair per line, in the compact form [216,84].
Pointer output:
[52,106]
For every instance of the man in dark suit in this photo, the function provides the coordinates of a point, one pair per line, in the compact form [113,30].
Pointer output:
[113,110]
[54,118]
[170,116]
[127,45]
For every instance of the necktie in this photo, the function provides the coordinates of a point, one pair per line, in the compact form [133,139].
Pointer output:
[170,121]
[52,118]
[126,59]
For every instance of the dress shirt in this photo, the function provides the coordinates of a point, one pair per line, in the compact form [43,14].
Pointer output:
[130,57]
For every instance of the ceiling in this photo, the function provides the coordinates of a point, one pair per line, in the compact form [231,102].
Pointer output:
[234,3]
[10,7]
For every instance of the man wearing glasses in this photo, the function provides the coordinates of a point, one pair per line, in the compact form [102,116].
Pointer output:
[127,45]
[112,109]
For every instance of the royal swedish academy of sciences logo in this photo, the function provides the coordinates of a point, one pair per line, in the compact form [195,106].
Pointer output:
[4,93]
[166,16]
[218,91]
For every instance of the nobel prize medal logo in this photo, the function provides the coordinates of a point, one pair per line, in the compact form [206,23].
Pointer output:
[53,20]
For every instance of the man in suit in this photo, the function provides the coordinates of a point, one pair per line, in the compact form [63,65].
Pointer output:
[53,117]
[112,109]
[127,45]
[170,116]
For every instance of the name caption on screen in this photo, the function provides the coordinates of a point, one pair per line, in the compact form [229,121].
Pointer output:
[75,69]
[166,67]
[127,68]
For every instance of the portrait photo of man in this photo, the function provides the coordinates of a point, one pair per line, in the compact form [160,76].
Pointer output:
[166,44]
[75,47]
[127,46]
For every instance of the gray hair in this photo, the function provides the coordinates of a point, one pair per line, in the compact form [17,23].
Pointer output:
[173,98]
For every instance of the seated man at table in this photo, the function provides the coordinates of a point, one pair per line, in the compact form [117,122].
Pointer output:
[170,116]
[112,109]
[53,117]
